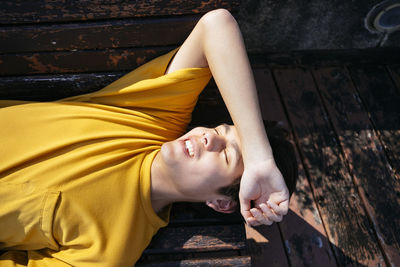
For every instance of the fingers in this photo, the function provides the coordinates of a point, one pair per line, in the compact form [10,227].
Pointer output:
[270,214]
[253,222]
[260,218]
[265,214]
[281,209]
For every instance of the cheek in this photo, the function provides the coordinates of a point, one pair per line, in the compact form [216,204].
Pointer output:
[211,171]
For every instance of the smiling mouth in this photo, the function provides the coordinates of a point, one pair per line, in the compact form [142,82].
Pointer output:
[189,148]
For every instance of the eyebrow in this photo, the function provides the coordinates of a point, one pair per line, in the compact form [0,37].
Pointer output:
[233,143]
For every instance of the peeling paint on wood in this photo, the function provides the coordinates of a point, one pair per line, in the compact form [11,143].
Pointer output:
[381,98]
[365,148]
[346,223]
[13,12]
[96,35]
[79,61]
[367,162]
[52,87]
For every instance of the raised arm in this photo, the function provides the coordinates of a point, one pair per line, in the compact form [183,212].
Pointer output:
[216,42]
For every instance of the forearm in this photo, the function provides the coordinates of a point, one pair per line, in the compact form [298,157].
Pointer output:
[226,56]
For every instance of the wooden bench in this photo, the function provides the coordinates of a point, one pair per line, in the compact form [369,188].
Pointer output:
[52,50]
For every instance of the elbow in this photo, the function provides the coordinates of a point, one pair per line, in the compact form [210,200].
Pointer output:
[218,19]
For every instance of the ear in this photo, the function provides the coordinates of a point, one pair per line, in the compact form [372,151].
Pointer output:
[222,205]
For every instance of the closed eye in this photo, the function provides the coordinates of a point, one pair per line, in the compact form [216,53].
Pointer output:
[226,156]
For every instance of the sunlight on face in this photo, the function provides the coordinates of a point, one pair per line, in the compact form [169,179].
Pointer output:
[204,160]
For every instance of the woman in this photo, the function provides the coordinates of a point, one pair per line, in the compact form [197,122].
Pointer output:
[88,180]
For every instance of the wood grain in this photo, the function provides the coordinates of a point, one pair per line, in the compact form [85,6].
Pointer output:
[242,261]
[366,158]
[381,98]
[15,12]
[265,246]
[194,214]
[78,61]
[197,239]
[304,236]
[53,87]
[109,34]
[342,212]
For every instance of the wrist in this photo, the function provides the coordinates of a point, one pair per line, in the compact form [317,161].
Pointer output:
[258,155]
[260,167]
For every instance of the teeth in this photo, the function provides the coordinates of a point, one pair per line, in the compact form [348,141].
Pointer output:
[189,147]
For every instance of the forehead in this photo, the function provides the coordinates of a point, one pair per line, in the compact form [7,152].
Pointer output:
[230,132]
[233,140]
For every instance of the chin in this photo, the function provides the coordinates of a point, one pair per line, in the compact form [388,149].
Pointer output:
[168,152]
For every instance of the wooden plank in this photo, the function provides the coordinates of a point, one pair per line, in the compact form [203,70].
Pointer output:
[78,61]
[221,262]
[210,109]
[192,214]
[265,246]
[179,257]
[395,73]
[381,98]
[96,35]
[270,102]
[362,147]
[304,236]
[373,56]
[13,12]
[341,210]
[52,87]
[197,239]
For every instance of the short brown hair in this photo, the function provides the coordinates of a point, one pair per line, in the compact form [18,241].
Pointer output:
[284,155]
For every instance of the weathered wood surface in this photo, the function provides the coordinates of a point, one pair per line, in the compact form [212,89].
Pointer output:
[303,234]
[366,158]
[265,246]
[381,98]
[198,238]
[53,87]
[195,232]
[13,12]
[78,61]
[238,261]
[195,214]
[348,227]
[42,37]
[96,35]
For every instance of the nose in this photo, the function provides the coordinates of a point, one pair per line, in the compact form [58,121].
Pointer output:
[213,142]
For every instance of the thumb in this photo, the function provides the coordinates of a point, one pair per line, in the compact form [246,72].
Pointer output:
[245,206]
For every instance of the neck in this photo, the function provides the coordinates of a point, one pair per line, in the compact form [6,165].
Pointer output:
[163,190]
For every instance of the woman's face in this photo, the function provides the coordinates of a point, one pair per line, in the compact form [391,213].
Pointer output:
[204,160]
